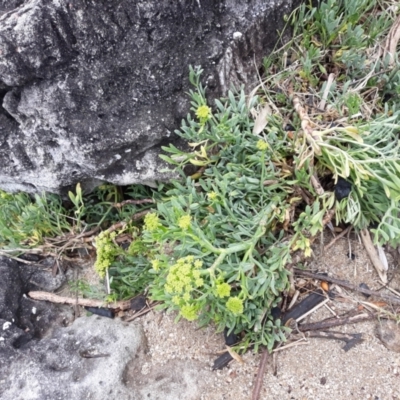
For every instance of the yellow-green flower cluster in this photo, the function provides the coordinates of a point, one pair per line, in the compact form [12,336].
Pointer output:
[151,222]
[262,145]
[212,196]
[203,113]
[189,311]
[156,264]
[223,290]
[106,252]
[235,305]
[183,277]
[184,222]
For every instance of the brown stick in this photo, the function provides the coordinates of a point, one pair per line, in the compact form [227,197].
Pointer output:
[46,296]
[386,297]
[121,224]
[131,201]
[260,375]
[142,311]
[334,240]
[331,322]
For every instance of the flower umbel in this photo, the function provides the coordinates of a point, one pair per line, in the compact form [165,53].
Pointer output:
[151,222]
[203,113]
[184,222]
[182,281]
[223,290]
[212,196]
[235,305]
[106,252]
[189,312]
[155,264]
[262,145]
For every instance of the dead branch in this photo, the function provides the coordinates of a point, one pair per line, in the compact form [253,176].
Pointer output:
[143,311]
[131,201]
[122,224]
[345,284]
[373,255]
[333,321]
[260,375]
[306,125]
[21,260]
[46,296]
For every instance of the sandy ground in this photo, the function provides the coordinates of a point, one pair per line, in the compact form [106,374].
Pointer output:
[317,369]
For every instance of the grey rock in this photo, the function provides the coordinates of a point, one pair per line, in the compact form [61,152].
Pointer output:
[22,319]
[86,360]
[18,279]
[92,89]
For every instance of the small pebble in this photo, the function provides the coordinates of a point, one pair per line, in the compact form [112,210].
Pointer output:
[365,286]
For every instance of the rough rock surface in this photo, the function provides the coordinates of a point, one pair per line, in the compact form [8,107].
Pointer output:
[83,361]
[22,319]
[91,89]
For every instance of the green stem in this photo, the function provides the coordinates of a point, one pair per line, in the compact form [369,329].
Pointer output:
[202,241]
[248,246]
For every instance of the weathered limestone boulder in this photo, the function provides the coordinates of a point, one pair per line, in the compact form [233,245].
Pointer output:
[91,89]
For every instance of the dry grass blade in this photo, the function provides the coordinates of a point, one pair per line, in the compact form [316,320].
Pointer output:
[262,119]
[235,355]
[373,255]
[322,103]
[392,40]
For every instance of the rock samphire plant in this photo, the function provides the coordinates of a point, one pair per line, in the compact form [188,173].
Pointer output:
[219,243]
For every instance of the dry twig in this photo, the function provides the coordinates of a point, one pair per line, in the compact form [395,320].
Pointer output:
[46,296]
[260,375]
[131,201]
[386,297]
[334,321]
[144,311]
